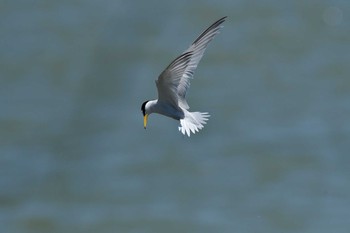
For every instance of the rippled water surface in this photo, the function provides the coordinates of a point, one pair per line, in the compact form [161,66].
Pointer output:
[274,156]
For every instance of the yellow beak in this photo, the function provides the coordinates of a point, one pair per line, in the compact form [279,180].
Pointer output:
[145,120]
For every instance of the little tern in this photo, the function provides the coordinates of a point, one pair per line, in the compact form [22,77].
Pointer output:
[173,82]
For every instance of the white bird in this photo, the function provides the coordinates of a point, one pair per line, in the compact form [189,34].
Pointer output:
[173,82]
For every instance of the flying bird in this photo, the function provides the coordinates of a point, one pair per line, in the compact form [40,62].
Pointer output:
[174,81]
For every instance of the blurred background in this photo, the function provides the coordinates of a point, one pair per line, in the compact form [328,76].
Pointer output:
[274,156]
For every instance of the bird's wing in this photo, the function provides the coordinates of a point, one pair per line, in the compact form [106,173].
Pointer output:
[174,81]
[197,48]
[168,81]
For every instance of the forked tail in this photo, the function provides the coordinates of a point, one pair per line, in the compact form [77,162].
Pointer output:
[193,122]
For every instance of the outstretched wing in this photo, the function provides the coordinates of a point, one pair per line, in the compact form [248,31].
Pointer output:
[168,81]
[174,81]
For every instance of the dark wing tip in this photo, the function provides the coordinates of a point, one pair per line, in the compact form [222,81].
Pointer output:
[215,25]
[221,20]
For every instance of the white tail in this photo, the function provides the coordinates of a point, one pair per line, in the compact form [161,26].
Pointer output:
[193,122]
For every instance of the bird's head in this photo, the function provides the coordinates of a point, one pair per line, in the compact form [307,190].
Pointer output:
[145,113]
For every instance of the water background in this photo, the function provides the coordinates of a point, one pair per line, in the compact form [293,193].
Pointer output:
[274,157]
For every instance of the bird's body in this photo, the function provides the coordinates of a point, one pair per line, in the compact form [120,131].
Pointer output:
[173,82]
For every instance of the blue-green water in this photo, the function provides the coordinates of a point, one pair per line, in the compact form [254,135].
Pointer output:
[74,156]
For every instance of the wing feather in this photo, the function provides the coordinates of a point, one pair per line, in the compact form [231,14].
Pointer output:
[168,81]
[174,81]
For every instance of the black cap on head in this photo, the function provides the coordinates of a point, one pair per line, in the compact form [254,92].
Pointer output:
[143,107]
